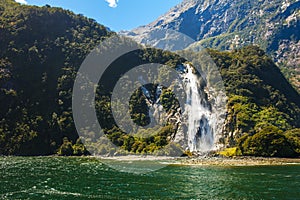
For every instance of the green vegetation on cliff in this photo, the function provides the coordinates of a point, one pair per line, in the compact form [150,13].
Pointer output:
[41,50]
[259,98]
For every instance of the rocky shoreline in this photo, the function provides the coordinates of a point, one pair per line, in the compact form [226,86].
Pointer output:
[238,161]
[211,161]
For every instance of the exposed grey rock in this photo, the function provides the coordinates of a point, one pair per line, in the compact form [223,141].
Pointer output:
[228,24]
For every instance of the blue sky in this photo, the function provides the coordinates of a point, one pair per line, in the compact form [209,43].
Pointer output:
[115,14]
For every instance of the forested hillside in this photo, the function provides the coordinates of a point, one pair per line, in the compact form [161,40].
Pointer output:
[262,104]
[42,48]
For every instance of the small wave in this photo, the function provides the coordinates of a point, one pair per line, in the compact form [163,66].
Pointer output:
[51,192]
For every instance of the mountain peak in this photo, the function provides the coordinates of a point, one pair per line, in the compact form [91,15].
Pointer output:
[225,25]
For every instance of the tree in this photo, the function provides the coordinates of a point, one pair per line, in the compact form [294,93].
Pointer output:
[66,149]
[79,148]
[269,142]
[293,137]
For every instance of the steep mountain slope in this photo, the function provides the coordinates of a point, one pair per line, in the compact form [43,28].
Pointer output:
[259,95]
[41,50]
[225,24]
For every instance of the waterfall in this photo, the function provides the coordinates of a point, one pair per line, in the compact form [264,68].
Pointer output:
[197,119]
[200,135]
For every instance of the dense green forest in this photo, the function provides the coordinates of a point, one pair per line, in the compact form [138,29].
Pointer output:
[41,50]
[263,109]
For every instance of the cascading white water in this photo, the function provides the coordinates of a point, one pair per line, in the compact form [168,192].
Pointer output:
[197,115]
[200,136]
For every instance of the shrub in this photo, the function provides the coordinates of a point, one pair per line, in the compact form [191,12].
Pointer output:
[269,142]
[66,149]
[293,137]
[230,152]
[79,149]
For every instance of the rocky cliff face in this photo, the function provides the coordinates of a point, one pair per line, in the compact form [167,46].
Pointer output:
[224,24]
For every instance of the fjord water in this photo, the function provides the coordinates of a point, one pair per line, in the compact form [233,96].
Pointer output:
[88,178]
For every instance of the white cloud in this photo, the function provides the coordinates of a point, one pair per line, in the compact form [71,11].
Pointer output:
[21,1]
[112,3]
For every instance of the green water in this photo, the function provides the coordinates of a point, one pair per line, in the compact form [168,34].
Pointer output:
[88,178]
